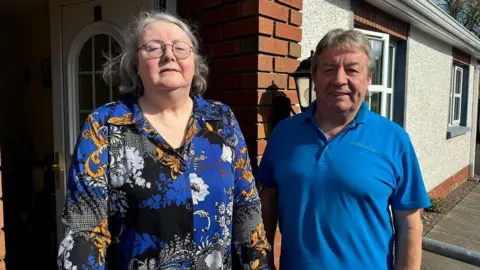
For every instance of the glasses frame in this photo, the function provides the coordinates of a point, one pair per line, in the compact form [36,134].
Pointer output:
[163,47]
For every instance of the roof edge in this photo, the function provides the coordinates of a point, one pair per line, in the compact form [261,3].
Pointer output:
[430,18]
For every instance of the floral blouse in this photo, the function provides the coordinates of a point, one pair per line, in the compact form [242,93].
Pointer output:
[134,202]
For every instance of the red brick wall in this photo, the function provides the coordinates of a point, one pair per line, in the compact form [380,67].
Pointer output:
[450,184]
[252,46]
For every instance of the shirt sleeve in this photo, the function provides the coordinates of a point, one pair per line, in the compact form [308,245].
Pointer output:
[265,175]
[248,235]
[410,193]
[85,211]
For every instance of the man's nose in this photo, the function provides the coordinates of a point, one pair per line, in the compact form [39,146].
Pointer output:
[340,77]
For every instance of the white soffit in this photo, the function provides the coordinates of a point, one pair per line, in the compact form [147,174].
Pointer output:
[430,18]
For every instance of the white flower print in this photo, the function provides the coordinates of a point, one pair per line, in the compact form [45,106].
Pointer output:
[64,252]
[118,202]
[125,166]
[135,164]
[134,161]
[214,260]
[227,153]
[118,171]
[199,188]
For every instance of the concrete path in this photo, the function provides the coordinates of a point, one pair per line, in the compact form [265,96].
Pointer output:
[460,227]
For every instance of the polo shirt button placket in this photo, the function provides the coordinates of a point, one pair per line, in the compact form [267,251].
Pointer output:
[324,157]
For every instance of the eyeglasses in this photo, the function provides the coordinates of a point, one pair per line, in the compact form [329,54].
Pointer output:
[156,48]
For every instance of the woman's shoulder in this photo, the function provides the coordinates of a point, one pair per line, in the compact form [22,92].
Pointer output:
[210,109]
[108,112]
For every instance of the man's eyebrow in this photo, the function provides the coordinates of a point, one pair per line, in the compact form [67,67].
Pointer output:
[329,65]
[352,64]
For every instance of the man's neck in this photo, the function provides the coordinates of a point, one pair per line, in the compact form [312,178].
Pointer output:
[332,123]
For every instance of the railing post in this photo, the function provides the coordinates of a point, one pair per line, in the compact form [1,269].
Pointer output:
[451,251]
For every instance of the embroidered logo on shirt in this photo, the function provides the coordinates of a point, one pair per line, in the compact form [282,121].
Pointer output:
[366,147]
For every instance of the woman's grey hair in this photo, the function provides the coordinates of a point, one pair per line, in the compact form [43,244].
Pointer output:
[346,39]
[122,69]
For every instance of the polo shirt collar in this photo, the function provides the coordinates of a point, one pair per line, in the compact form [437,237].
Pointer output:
[361,117]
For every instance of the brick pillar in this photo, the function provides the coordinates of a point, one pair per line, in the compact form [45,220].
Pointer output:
[252,46]
[2,234]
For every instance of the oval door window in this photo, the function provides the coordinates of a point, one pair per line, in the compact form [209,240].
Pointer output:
[93,91]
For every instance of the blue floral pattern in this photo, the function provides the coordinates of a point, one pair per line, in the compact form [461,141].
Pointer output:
[134,202]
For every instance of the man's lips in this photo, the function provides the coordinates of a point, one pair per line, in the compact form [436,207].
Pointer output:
[339,94]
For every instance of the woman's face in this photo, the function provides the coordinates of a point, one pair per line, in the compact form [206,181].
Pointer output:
[167,61]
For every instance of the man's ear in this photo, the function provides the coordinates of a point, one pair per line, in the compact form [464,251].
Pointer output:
[370,78]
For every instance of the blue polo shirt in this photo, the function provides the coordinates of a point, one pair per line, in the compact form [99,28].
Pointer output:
[334,196]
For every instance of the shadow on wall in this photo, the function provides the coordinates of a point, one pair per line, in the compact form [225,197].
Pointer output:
[281,108]
[343,4]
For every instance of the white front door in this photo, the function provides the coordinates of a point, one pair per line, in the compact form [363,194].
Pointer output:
[83,31]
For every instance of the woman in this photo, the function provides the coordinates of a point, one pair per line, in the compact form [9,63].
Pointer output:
[162,178]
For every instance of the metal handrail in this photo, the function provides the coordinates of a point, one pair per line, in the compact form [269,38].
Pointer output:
[451,251]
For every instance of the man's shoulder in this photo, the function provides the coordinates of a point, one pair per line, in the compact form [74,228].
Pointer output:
[387,128]
[287,126]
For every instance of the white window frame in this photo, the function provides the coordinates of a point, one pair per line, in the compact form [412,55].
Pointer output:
[383,87]
[454,95]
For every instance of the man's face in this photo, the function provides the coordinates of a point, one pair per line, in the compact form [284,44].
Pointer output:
[341,79]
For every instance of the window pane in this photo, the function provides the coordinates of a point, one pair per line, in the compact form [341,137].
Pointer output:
[102,91]
[376,102]
[456,115]
[101,48]
[116,48]
[458,82]
[85,58]
[389,106]
[85,92]
[390,66]
[377,47]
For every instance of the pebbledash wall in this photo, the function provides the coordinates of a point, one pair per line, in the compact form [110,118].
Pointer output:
[427,111]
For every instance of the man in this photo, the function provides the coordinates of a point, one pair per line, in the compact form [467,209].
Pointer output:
[334,174]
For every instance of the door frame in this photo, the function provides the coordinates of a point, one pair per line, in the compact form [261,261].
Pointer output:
[62,90]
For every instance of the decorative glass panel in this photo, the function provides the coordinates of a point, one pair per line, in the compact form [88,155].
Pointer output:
[376,102]
[85,92]
[389,106]
[160,5]
[377,48]
[93,91]
[102,91]
[85,59]
[101,49]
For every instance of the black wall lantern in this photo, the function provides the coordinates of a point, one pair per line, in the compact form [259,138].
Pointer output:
[303,81]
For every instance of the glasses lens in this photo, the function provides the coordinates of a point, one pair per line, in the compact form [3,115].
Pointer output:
[181,49]
[154,48]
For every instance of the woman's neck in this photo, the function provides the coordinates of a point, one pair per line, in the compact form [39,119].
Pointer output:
[172,103]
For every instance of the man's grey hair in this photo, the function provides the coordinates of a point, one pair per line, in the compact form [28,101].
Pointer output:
[122,69]
[347,39]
